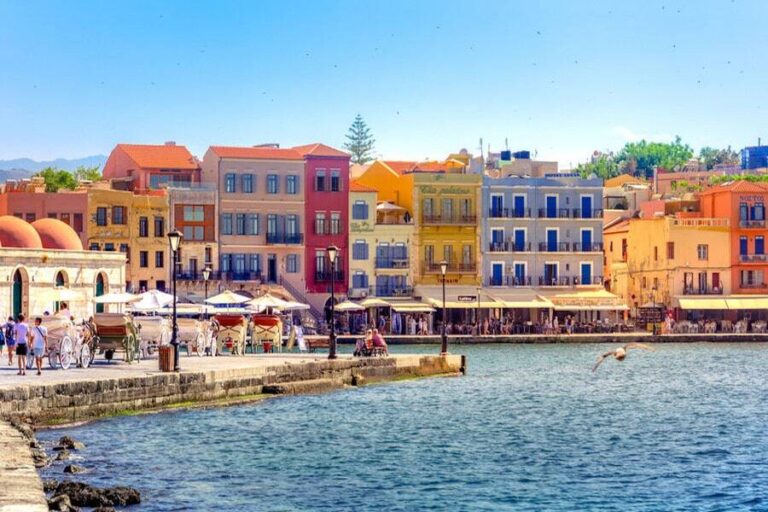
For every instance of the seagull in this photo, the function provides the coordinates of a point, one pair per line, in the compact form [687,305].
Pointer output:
[620,353]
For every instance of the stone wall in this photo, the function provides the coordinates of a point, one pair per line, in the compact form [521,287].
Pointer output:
[22,489]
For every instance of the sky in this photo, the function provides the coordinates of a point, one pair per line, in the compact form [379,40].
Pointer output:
[559,78]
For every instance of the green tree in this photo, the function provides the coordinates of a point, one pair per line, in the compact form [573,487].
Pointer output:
[57,179]
[640,158]
[712,156]
[83,173]
[360,141]
[604,166]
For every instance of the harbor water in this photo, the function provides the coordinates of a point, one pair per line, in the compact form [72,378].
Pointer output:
[530,427]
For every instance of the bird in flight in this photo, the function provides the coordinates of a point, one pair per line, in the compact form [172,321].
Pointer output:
[620,353]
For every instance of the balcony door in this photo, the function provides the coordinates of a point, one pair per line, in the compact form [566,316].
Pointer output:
[551,240]
[519,239]
[193,267]
[272,268]
[586,207]
[497,274]
[551,203]
[497,205]
[520,273]
[497,238]
[550,273]
[586,240]
[586,273]
[519,206]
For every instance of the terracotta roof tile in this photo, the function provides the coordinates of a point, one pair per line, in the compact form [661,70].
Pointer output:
[256,153]
[149,156]
[318,149]
[356,186]
[399,166]
[738,186]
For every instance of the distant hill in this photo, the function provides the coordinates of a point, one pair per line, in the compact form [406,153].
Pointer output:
[25,167]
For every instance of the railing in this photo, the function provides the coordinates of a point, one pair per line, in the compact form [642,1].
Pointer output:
[554,281]
[690,290]
[590,247]
[557,213]
[509,213]
[509,247]
[556,247]
[395,263]
[325,275]
[237,276]
[449,219]
[326,228]
[753,285]
[751,258]
[510,281]
[431,267]
[595,213]
[285,238]
[576,280]
[392,291]
[744,223]
[702,223]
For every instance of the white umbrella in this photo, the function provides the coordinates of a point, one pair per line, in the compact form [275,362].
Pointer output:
[152,300]
[374,302]
[388,207]
[348,305]
[228,297]
[116,298]
[291,306]
[267,301]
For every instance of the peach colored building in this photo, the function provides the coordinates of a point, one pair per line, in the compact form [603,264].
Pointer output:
[150,166]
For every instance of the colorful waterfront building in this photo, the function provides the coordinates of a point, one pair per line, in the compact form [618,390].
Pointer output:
[151,166]
[362,240]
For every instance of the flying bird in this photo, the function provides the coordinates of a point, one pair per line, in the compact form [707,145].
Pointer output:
[620,353]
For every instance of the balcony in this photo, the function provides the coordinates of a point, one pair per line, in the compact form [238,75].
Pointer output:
[510,281]
[596,280]
[557,213]
[392,263]
[753,285]
[285,238]
[590,247]
[691,290]
[509,213]
[325,276]
[393,291]
[327,228]
[556,247]
[554,281]
[236,276]
[509,246]
[449,219]
[432,267]
[752,258]
[744,223]
[578,213]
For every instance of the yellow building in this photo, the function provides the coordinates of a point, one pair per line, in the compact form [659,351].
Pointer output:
[682,263]
[135,224]
[393,181]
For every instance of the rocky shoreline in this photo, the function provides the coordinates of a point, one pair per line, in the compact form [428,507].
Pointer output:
[69,495]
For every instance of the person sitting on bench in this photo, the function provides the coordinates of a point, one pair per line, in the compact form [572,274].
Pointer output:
[379,345]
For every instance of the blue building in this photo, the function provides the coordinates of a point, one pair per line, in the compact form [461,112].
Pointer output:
[754,157]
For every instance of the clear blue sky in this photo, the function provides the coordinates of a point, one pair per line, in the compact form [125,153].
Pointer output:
[560,77]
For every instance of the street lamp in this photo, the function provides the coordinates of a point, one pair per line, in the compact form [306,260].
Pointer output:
[174,239]
[444,340]
[333,251]
[206,276]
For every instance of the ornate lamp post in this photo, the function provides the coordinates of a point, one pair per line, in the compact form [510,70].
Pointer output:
[206,276]
[174,239]
[333,252]
[444,340]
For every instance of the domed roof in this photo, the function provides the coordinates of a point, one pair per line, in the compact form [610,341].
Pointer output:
[56,234]
[15,232]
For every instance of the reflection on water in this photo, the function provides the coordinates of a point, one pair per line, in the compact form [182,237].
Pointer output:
[529,428]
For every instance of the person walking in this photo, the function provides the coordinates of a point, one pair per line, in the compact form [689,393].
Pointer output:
[10,340]
[21,335]
[39,343]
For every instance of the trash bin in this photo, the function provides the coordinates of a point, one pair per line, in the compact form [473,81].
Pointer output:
[267,345]
[166,358]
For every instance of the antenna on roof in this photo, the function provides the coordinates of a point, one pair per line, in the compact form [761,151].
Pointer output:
[506,143]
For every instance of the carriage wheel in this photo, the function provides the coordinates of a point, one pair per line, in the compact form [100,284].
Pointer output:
[53,359]
[65,352]
[86,357]
[94,349]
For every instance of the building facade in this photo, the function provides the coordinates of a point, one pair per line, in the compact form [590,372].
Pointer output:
[362,240]
[150,166]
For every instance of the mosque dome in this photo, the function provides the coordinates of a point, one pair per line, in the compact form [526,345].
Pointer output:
[55,234]
[14,232]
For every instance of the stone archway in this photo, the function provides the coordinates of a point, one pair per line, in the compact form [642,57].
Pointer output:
[19,291]
[101,287]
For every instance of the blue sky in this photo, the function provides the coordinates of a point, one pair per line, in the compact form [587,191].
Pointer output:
[558,77]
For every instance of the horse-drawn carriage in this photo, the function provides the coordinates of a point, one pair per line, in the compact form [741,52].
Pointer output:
[154,331]
[66,344]
[198,336]
[232,333]
[110,332]
[267,332]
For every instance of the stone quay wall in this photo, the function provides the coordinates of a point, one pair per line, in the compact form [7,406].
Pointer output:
[620,338]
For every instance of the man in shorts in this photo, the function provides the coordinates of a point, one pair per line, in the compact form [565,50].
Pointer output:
[21,335]
[39,343]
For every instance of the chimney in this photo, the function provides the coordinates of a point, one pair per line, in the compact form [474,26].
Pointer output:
[170,143]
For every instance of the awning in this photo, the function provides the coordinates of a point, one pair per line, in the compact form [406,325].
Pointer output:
[411,308]
[374,302]
[456,297]
[747,302]
[519,298]
[702,303]
[731,302]
[594,299]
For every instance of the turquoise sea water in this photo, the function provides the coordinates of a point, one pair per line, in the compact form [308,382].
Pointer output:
[530,427]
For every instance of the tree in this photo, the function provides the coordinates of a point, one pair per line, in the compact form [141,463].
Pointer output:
[603,166]
[712,156]
[640,158]
[360,141]
[56,179]
[83,173]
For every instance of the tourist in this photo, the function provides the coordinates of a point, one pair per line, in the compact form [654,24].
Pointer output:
[39,343]
[21,335]
[378,342]
[63,311]
[300,341]
[361,345]
[10,340]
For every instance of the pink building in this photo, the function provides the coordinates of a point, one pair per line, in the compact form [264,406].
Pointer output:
[148,166]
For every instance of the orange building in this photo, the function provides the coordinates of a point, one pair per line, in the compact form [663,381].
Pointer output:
[744,204]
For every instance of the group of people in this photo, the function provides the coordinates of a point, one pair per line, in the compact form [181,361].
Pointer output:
[17,336]
[372,344]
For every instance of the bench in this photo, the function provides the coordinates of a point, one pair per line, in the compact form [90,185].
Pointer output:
[319,342]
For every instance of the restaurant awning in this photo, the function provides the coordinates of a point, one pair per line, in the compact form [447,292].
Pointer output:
[374,302]
[456,297]
[723,302]
[519,298]
[702,303]
[591,299]
[747,302]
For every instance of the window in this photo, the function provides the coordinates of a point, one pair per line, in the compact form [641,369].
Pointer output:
[292,184]
[448,253]
[159,259]
[670,250]
[428,207]
[466,255]
[360,210]
[758,212]
[160,285]
[292,224]
[118,215]
[226,262]
[360,250]
[751,278]
[143,227]
[52,215]
[335,223]
[759,245]
[359,280]
[101,216]
[292,263]
[240,224]
[30,217]
[144,259]
[320,260]
[208,256]
[466,208]
[273,185]
[271,224]
[143,285]
[703,251]
[247,183]
[252,224]
[447,208]
[159,227]
[335,180]
[109,247]
[320,180]
[77,222]
[226,223]
[429,253]
[194,233]
[655,253]
[229,183]
[255,263]
[194,213]
[743,245]
[319,223]
[125,249]
[645,282]
[94,247]
[743,211]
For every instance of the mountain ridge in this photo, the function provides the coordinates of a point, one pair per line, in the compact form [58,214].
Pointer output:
[25,167]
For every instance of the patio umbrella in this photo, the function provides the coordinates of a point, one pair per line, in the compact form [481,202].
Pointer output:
[347,306]
[388,207]
[153,300]
[116,298]
[374,302]
[295,306]
[227,297]
[267,301]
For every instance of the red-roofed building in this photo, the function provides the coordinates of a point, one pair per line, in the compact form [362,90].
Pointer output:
[148,166]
